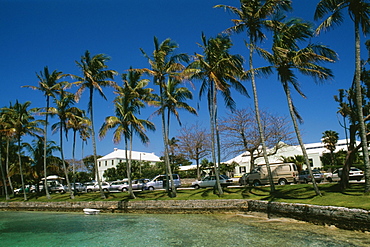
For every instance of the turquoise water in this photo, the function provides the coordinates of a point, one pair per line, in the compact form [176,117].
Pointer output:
[77,229]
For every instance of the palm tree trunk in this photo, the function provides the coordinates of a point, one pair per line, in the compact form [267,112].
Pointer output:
[259,123]
[129,167]
[172,192]
[7,168]
[212,110]
[298,134]
[365,149]
[102,195]
[74,161]
[352,150]
[2,172]
[63,161]
[20,168]
[198,170]
[45,147]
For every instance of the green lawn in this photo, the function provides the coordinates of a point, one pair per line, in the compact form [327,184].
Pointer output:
[300,193]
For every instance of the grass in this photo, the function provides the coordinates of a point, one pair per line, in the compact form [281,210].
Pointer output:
[353,197]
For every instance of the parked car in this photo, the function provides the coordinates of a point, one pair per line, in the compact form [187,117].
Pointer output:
[120,185]
[243,180]
[305,177]
[210,181]
[139,184]
[95,187]
[282,174]
[55,187]
[159,182]
[80,187]
[354,174]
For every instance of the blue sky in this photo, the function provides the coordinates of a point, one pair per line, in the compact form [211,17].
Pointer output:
[38,33]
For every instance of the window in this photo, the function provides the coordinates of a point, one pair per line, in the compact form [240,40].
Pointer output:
[242,169]
[106,162]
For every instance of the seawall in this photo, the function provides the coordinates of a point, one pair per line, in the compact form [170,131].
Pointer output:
[345,218]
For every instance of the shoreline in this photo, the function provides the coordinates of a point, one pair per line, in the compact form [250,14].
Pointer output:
[341,217]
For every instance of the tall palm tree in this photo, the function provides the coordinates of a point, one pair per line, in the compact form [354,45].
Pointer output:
[287,57]
[128,104]
[24,123]
[95,76]
[63,111]
[253,19]
[174,99]
[49,85]
[8,132]
[78,123]
[7,197]
[219,71]
[165,64]
[359,12]
[330,139]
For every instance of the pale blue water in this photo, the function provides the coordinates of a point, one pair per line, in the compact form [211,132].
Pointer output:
[77,229]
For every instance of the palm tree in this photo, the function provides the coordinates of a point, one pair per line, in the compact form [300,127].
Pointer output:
[7,131]
[63,111]
[128,104]
[174,99]
[330,139]
[78,122]
[36,151]
[49,85]
[253,18]
[165,65]
[24,123]
[95,76]
[288,57]
[359,11]
[219,71]
[1,164]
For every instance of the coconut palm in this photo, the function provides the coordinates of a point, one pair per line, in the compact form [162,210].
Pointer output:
[24,123]
[253,19]
[63,111]
[36,151]
[332,11]
[78,123]
[8,132]
[49,85]
[174,99]
[219,72]
[128,104]
[287,58]
[165,64]
[95,76]
[7,197]
[330,139]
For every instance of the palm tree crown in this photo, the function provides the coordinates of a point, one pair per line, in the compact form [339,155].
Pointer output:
[95,76]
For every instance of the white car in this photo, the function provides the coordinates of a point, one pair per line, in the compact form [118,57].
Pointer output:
[354,174]
[95,187]
[210,181]
[121,185]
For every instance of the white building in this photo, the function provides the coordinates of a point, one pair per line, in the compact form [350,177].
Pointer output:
[314,151]
[112,159]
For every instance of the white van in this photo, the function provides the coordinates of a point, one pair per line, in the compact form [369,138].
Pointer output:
[282,174]
[159,182]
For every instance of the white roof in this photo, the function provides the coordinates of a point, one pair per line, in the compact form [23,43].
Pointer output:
[121,154]
[311,148]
